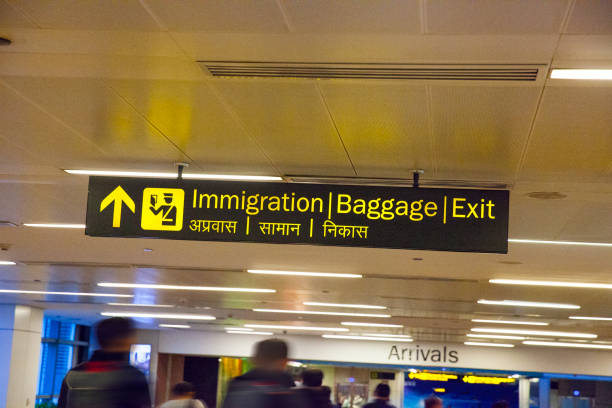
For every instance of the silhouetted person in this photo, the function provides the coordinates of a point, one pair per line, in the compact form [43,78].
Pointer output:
[183,396]
[107,380]
[433,402]
[381,397]
[268,385]
[312,392]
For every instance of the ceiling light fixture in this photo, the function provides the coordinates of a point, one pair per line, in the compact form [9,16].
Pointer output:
[56,225]
[511,322]
[344,305]
[317,312]
[170,175]
[496,336]
[360,324]
[298,273]
[521,303]
[578,243]
[555,284]
[368,338]
[256,333]
[175,326]
[534,332]
[299,328]
[7,263]
[138,305]
[159,315]
[238,329]
[480,344]
[597,74]
[180,287]
[44,292]
[399,336]
[562,344]
[603,319]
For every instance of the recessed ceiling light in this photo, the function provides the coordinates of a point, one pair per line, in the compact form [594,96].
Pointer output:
[298,328]
[604,319]
[546,195]
[555,284]
[316,312]
[7,263]
[399,336]
[138,305]
[360,324]
[578,243]
[521,303]
[591,74]
[569,345]
[238,329]
[56,225]
[44,292]
[148,250]
[534,332]
[298,273]
[476,343]
[256,333]
[159,315]
[175,326]
[344,305]
[495,336]
[180,287]
[368,338]
[511,322]
[170,175]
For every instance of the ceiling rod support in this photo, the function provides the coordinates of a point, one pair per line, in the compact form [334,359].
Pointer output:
[416,175]
[181,166]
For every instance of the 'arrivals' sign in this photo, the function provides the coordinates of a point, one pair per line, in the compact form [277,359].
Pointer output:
[288,213]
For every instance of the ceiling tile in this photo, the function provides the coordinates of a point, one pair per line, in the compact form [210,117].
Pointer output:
[13,17]
[584,51]
[591,17]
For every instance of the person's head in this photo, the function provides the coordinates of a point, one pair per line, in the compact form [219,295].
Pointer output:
[433,402]
[312,378]
[326,391]
[183,390]
[501,404]
[271,354]
[116,334]
[382,391]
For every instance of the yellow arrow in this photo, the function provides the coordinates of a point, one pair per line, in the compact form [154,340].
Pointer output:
[117,197]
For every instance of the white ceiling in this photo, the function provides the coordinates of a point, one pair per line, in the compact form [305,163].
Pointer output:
[116,85]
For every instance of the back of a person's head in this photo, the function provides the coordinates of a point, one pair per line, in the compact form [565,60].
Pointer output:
[183,389]
[312,378]
[270,351]
[114,332]
[432,402]
[382,390]
[501,404]
[326,391]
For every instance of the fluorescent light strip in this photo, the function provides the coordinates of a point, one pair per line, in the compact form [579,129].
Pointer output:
[298,273]
[398,336]
[155,174]
[367,338]
[570,345]
[603,319]
[590,74]
[159,315]
[578,243]
[511,322]
[256,333]
[238,329]
[479,344]
[179,287]
[44,292]
[316,312]
[137,305]
[344,305]
[359,324]
[299,328]
[522,303]
[555,284]
[496,336]
[534,332]
[175,326]
[56,225]
[7,263]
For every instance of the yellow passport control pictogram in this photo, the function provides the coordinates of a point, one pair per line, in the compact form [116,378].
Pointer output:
[162,209]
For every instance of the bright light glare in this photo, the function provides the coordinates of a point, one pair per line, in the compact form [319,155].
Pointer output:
[43,292]
[522,303]
[555,284]
[238,329]
[578,243]
[7,263]
[344,305]
[298,273]
[572,345]
[179,287]
[155,174]
[56,225]
[370,338]
[316,312]
[159,315]
[534,332]
[600,74]
[137,305]
[399,336]
[256,333]
[476,343]
[603,319]
[175,326]
[299,328]
[359,324]
[495,336]
[510,322]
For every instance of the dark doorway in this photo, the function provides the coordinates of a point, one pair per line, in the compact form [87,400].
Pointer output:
[203,373]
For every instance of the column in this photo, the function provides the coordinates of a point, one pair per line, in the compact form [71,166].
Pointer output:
[524,393]
[20,333]
[544,392]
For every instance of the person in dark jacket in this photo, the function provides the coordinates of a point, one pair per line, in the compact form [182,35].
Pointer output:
[312,391]
[268,385]
[381,397]
[107,380]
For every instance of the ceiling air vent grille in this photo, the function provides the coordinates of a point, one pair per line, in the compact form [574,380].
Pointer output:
[371,71]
